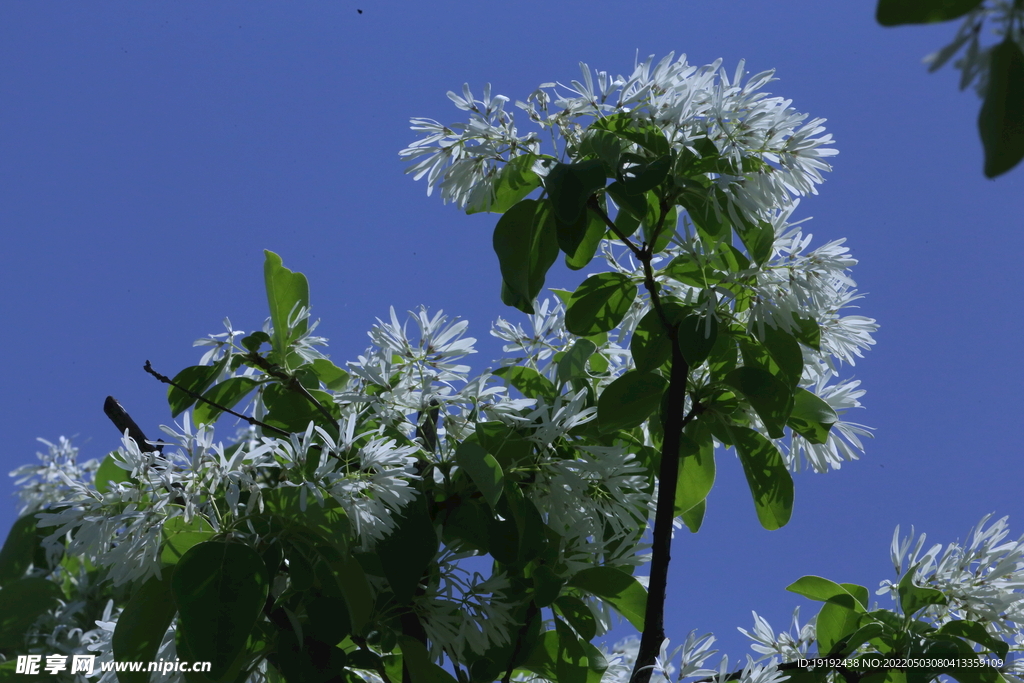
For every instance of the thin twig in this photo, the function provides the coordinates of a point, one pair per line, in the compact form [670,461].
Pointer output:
[251,420]
[289,381]
[596,208]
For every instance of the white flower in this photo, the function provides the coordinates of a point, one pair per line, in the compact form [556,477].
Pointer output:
[465,612]
[983,580]
[46,483]
[463,158]
[599,494]
[789,646]
[377,490]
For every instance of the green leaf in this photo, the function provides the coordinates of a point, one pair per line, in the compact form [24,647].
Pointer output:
[976,632]
[1001,120]
[227,394]
[686,268]
[807,331]
[286,291]
[913,597]
[220,589]
[291,411]
[584,252]
[333,377]
[767,395]
[503,442]
[483,469]
[528,381]
[417,662]
[758,238]
[254,341]
[142,625]
[551,659]
[629,400]
[617,588]
[408,551]
[604,146]
[196,379]
[770,482]
[599,304]
[694,517]
[650,344]
[696,336]
[858,592]
[647,176]
[646,135]
[696,467]
[19,549]
[524,240]
[578,614]
[571,185]
[21,603]
[574,362]
[823,590]
[546,585]
[633,204]
[812,418]
[897,12]
[701,210]
[515,180]
[110,473]
[785,351]
[723,356]
[834,624]
[179,536]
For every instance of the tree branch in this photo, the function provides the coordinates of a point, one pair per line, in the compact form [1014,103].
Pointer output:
[654,618]
[289,381]
[251,420]
[123,421]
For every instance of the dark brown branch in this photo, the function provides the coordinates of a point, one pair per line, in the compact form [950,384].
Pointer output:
[654,619]
[252,421]
[123,421]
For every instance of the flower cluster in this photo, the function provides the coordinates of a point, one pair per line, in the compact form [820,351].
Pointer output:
[686,102]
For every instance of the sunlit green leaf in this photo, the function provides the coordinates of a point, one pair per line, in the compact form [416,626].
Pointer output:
[599,304]
[696,467]
[812,417]
[574,362]
[617,588]
[515,180]
[286,291]
[770,483]
[524,240]
[226,394]
[767,395]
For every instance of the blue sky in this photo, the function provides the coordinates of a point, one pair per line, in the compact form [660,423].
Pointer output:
[150,151]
